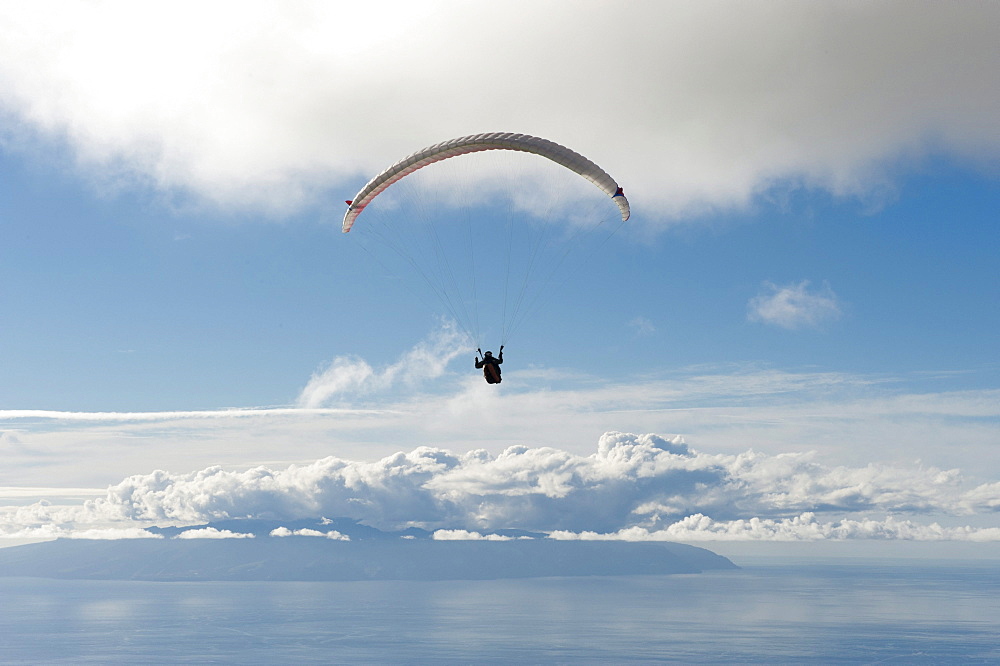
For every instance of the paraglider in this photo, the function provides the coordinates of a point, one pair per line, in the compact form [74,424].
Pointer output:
[490,366]
[445,276]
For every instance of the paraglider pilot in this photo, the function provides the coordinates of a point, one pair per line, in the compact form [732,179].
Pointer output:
[490,365]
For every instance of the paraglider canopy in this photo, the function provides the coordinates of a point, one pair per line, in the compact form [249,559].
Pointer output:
[479,142]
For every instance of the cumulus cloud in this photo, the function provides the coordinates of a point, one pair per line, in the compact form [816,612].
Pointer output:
[332,534]
[804,527]
[264,105]
[213,533]
[466,535]
[631,487]
[794,306]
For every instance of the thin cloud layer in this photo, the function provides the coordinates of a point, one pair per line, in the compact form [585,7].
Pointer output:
[694,106]
[847,418]
[633,487]
[67,530]
[794,306]
[352,376]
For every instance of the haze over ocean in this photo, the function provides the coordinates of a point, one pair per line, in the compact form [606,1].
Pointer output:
[933,613]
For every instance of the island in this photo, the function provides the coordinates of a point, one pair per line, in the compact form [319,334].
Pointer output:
[344,550]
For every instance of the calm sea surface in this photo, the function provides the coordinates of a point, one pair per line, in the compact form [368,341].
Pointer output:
[762,614]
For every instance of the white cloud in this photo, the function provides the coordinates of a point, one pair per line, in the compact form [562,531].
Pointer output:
[465,535]
[18,493]
[332,534]
[68,531]
[111,534]
[804,527]
[352,376]
[794,306]
[692,106]
[642,326]
[212,533]
[111,417]
[633,486]
[849,420]
[343,375]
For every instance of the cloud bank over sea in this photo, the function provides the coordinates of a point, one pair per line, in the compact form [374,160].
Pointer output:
[633,487]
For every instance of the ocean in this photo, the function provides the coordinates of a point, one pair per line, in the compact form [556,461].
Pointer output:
[773,613]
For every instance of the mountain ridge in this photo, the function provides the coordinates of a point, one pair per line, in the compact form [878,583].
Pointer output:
[369,554]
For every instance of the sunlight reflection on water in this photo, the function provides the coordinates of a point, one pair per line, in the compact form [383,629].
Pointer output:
[820,614]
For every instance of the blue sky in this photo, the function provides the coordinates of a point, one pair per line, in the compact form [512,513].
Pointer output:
[810,264]
[125,304]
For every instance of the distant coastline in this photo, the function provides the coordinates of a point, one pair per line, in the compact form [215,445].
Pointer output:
[354,552]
